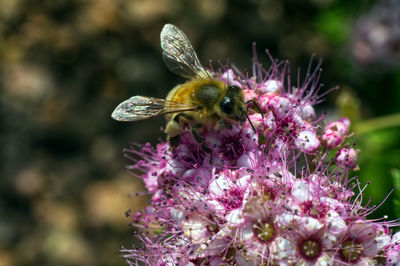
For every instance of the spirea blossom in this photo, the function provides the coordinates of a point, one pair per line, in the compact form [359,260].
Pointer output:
[270,196]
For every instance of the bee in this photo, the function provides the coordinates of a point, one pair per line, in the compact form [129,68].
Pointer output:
[202,100]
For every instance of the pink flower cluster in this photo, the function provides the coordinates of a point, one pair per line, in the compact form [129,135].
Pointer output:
[276,196]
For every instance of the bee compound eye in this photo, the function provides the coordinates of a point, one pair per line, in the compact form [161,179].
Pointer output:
[227,105]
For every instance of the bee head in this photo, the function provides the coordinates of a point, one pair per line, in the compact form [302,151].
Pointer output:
[232,105]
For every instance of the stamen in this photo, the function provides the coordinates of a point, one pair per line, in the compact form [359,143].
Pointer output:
[310,248]
[351,250]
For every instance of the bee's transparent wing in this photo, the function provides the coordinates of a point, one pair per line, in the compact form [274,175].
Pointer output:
[178,53]
[143,107]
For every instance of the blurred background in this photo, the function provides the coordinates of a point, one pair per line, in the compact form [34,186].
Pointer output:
[66,64]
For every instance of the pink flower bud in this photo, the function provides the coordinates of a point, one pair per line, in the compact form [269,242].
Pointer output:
[265,100]
[307,113]
[279,104]
[341,126]
[230,78]
[307,141]
[332,139]
[347,157]
[270,85]
[335,133]
[249,94]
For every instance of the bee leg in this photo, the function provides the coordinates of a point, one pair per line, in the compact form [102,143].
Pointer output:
[200,139]
[174,141]
[196,134]
[174,128]
[221,123]
[224,125]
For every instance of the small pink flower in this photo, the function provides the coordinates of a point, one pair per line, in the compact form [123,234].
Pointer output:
[363,241]
[393,252]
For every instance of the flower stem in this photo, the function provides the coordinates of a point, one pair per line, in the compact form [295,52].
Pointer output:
[382,122]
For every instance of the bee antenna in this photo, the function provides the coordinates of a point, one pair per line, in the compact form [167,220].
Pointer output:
[247,116]
[255,103]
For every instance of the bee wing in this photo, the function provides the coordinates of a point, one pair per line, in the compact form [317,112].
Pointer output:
[178,53]
[142,107]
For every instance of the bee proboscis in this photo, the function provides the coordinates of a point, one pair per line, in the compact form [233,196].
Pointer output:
[202,100]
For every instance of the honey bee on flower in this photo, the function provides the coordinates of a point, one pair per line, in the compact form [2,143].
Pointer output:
[202,100]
